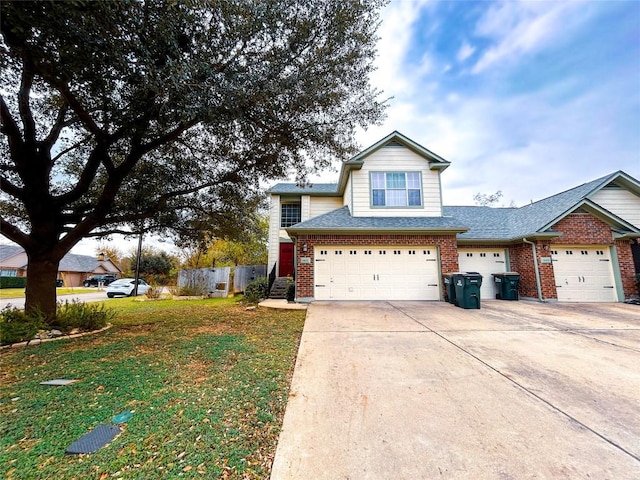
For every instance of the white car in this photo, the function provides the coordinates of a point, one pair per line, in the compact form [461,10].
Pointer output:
[124,286]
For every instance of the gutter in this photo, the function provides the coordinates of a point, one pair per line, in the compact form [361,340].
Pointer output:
[536,267]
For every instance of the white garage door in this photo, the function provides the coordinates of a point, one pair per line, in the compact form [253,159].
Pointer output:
[583,274]
[376,273]
[485,261]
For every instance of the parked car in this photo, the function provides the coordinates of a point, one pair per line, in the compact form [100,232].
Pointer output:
[58,282]
[97,279]
[124,286]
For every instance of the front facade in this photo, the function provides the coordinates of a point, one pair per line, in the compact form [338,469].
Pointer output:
[382,233]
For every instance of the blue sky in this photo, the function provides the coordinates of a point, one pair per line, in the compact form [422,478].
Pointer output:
[530,98]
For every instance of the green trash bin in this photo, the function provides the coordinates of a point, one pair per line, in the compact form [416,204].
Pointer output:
[507,285]
[467,287]
[450,289]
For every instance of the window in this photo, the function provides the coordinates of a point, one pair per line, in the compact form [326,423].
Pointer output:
[395,189]
[289,214]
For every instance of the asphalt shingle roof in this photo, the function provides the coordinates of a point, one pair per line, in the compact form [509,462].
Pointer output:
[284,188]
[8,251]
[341,219]
[512,223]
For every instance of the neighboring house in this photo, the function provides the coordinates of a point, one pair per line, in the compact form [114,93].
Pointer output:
[382,233]
[73,269]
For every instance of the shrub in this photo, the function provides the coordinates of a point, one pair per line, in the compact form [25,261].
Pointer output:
[291,292]
[17,326]
[154,292]
[84,316]
[256,290]
[13,282]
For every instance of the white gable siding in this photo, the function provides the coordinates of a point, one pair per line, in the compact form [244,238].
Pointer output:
[305,207]
[620,202]
[348,194]
[396,159]
[274,231]
[322,205]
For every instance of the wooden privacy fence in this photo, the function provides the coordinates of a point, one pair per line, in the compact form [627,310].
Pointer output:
[245,274]
[212,281]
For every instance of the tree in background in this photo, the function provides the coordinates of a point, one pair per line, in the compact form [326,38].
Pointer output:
[252,250]
[156,266]
[125,117]
[492,200]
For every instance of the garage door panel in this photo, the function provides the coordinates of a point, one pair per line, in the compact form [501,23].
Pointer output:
[375,273]
[484,261]
[583,274]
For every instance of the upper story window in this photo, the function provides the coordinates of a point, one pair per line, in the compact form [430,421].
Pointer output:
[289,214]
[396,189]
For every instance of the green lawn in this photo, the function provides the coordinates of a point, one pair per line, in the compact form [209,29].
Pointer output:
[19,292]
[207,379]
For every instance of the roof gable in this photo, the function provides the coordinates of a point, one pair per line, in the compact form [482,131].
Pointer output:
[396,139]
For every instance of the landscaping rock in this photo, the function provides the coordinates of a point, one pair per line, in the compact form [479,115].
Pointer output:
[56,333]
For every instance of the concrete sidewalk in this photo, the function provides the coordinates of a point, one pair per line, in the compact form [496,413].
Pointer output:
[418,390]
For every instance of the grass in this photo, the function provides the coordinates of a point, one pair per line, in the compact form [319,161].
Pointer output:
[19,292]
[207,379]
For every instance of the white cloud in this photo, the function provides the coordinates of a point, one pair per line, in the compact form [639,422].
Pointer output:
[396,35]
[465,51]
[522,28]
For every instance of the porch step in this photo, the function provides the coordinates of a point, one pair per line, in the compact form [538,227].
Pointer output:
[279,287]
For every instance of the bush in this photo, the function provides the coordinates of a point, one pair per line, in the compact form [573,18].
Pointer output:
[291,292]
[256,290]
[17,326]
[84,316]
[13,282]
[154,292]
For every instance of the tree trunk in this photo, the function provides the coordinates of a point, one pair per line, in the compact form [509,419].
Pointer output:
[41,285]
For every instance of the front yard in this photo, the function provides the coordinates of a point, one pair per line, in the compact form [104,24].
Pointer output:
[207,381]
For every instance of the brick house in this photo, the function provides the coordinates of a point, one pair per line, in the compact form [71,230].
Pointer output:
[381,232]
[72,270]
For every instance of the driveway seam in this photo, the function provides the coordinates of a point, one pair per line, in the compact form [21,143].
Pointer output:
[603,341]
[533,394]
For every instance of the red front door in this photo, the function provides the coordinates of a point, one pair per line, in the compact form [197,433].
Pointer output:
[286,260]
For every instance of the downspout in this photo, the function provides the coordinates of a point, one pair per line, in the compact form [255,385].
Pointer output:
[536,268]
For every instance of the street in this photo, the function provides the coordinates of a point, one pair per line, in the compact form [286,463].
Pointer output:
[95,296]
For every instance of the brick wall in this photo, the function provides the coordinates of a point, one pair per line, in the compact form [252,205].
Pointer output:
[447,245]
[627,268]
[576,229]
[521,261]
[582,229]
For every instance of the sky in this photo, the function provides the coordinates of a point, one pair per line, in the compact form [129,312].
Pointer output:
[530,98]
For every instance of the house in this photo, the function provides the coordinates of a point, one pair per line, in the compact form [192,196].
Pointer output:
[73,269]
[381,232]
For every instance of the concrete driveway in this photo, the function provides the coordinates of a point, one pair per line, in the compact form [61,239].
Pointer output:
[420,390]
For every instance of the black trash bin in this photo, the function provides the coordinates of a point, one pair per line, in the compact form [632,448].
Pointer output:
[467,287]
[507,285]
[450,288]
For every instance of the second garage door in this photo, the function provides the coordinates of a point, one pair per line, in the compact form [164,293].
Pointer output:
[376,273]
[484,261]
[583,274]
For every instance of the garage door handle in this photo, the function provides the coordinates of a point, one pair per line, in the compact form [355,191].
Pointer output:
[320,285]
[608,286]
[604,259]
[320,259]
[432,284]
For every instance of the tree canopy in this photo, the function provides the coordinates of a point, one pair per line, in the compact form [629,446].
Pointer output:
[156,114]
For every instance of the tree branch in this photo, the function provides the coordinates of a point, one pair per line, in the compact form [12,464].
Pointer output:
[8,187]
[11,130]
[72,147]
[28,123]
[14,233]
[54,133]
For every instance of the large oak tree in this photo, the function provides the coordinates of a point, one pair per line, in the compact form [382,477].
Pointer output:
[128,115]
